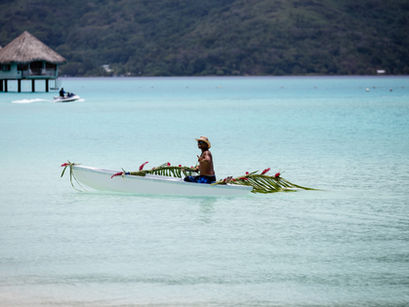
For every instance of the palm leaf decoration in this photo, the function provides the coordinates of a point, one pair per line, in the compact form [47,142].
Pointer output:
[263,183]
[69,166]
[166,169]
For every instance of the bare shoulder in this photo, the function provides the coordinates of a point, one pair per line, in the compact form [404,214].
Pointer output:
[208,153]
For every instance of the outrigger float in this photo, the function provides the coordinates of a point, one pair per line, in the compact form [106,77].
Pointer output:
[168,180]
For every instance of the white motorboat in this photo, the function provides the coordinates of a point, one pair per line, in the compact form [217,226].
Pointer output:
[66,98]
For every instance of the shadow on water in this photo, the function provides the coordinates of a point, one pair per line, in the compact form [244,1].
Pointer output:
[207,209]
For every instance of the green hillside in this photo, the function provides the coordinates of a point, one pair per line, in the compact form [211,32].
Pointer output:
[217,37]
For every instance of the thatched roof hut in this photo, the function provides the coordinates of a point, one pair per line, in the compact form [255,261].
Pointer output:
[26,49]
[28,58]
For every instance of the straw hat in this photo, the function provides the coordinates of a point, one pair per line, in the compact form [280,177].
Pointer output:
[204,139]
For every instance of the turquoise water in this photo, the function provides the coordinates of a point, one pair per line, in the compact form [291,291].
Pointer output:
[347,244]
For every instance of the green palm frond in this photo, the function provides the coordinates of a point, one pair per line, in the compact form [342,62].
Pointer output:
[264,184]
[261,183]
[166,170]
[72,176]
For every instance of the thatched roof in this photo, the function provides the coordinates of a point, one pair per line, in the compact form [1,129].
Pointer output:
[26,48]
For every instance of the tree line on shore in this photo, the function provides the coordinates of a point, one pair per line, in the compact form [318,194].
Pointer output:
[217,37]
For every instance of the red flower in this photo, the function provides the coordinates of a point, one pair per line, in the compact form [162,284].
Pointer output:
[247,173]
[180,165]
[168,164]
[142,165]
[64,164]
[117,174]
[265,171]
[277,175]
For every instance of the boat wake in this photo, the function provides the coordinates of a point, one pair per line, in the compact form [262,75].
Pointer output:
[25,101]
[34,100]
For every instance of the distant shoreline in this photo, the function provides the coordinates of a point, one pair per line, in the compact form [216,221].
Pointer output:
[238,77]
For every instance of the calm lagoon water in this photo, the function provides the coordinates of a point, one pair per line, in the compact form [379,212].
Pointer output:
[347,244]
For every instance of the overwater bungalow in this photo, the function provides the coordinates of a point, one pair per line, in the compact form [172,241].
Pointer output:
[27,58]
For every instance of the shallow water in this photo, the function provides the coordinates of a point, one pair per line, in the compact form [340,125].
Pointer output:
[344,244]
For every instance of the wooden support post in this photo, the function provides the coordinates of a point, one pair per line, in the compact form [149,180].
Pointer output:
[1,85]
[33,85]
[19,85]
[46,85]
[5,86]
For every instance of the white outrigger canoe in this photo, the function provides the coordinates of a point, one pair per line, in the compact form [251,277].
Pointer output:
[66,98]
[100,179]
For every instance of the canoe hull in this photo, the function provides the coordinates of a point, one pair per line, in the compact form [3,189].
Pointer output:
[100,179]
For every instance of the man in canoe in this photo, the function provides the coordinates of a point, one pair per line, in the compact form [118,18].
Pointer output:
[206,170]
